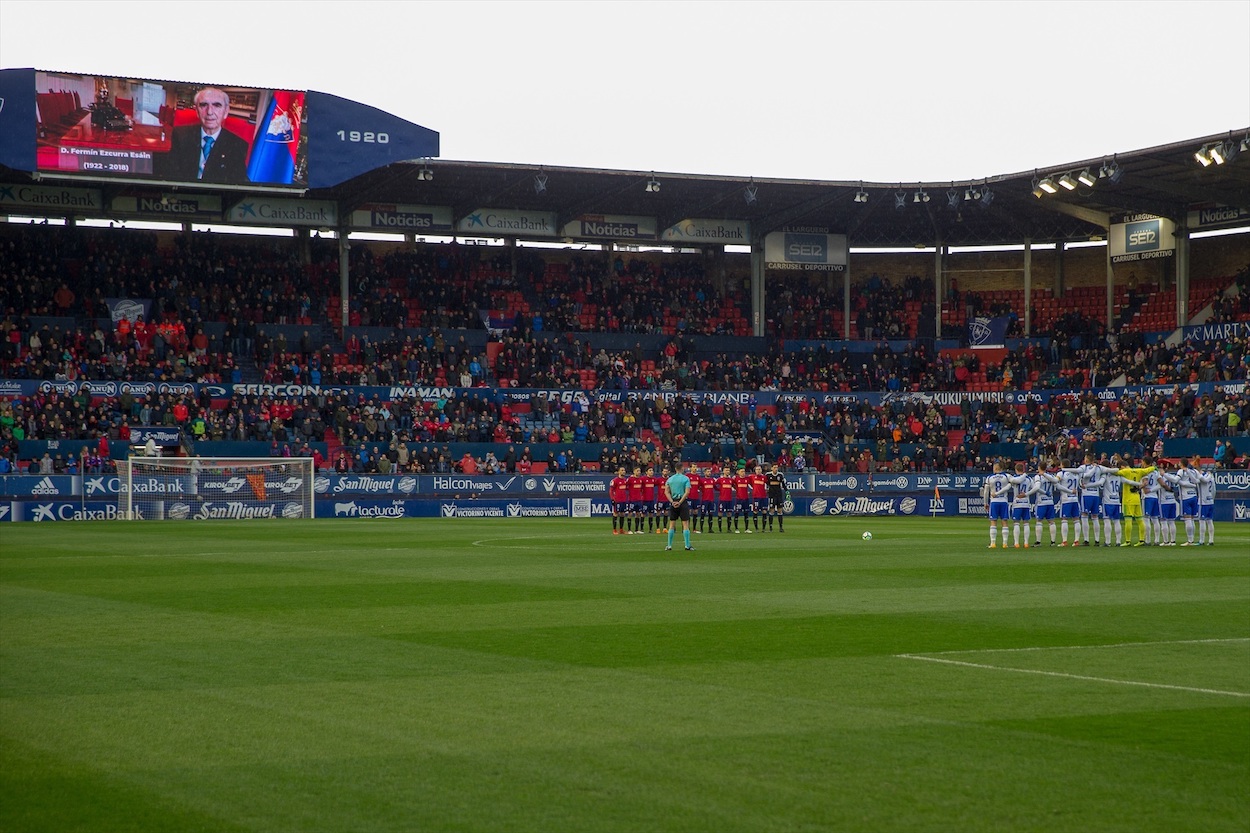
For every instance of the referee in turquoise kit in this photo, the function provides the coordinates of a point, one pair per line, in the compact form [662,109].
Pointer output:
[677,487]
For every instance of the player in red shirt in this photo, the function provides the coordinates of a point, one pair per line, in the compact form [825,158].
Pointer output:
[633,487]
[649,481]
[696,481]
[759,495]
[725,489]
[661,501]
[618,493]
[742,486]
[707,502]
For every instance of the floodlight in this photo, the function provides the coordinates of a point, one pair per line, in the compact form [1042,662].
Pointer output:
[1086,178]
[1068,182]
[1203,155]
[900,199]
[1037,189]
[540,184]
[952,198]
[653,186]
[861,195]
[750,194]
[1048,185]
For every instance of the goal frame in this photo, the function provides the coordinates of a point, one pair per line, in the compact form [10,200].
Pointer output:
[189,486]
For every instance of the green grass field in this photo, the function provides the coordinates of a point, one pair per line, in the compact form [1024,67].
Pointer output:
[543,675]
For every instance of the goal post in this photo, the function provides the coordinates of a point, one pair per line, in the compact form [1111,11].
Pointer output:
[206,488]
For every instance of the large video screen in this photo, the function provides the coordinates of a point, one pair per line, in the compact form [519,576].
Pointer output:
[170,131]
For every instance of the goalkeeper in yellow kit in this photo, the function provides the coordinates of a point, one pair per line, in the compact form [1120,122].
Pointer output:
[1132,502]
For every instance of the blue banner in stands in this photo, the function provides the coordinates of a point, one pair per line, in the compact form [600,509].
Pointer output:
[988,332]
[17,119]
[1218,332]
[347,138]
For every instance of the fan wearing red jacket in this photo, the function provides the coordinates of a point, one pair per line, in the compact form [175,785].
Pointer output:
[618,493]
[707,502]
[742,486]
[759,495]
[725,490]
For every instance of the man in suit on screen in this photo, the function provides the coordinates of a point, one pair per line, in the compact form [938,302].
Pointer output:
[207,151]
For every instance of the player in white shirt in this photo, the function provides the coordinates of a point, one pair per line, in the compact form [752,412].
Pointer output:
[1167,505]
[997,490]
[1068,483]
[1091,475]
[1043,490]
[1188,496]
[1021,504]
[1112,508]
[1151,488]
[1206,504]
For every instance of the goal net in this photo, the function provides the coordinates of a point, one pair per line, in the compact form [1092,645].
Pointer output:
[204,488]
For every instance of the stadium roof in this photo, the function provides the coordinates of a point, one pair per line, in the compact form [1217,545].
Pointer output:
[1166,181]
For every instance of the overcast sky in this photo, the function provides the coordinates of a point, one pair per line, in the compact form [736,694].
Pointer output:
[881,92]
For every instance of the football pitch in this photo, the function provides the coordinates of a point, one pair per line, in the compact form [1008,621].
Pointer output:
[545,675]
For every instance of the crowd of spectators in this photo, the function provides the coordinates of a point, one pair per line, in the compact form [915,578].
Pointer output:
[248,284]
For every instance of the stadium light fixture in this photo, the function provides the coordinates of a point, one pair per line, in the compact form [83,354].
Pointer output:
[540,184]
[987,196]
[1245,143]
[1203,155]
[1037,189]
[861,195]
[1218,156]
[653,185]
[1068,182]
[900,199]
[1047,184]
[952,198]
[1086,178]
[750,194]
[425,174]
[1111,171]
[921,195]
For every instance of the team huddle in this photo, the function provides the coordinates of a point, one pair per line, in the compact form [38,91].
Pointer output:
[1097,495]
[722,501]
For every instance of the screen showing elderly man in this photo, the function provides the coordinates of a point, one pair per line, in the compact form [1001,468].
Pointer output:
[206,151]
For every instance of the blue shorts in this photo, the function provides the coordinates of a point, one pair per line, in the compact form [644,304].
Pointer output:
[1044,511]
[1112,511]
[1090,504]
[1189,507]
[693,503]
[1150,507]
[999,510]
[1168,510]
[619,506]
[1206,511]
[726,507]
[1019,513]
[636,506]
[1071,509]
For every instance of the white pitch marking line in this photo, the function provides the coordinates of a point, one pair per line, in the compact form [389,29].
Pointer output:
[1075,676]
[1086,647]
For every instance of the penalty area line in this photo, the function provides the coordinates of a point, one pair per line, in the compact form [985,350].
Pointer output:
[1083,677]
[1088,647]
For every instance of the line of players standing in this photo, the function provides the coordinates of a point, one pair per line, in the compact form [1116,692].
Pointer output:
[732,502]
[1152,495]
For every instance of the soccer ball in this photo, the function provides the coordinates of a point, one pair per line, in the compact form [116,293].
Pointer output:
[867,536]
